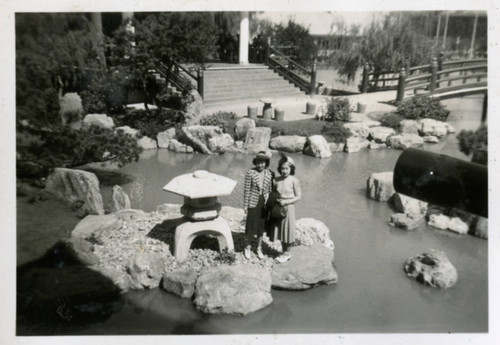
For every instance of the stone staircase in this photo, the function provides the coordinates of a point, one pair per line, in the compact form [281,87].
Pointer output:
[233,84]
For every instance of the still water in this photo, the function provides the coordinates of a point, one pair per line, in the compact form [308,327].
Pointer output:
[373,295]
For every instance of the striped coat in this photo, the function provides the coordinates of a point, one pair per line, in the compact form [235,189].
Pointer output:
[252,191]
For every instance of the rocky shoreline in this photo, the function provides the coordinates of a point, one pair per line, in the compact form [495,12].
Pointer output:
[134,250]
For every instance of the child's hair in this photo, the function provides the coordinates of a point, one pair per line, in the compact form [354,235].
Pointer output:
[292,167]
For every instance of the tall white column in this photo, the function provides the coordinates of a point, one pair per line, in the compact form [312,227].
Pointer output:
[244,38]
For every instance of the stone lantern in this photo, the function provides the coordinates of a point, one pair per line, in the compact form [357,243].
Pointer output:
[201,209]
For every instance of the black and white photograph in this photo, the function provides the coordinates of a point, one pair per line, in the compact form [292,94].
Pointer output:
[285,172]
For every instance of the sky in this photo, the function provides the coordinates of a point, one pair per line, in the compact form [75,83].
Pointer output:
[320,23]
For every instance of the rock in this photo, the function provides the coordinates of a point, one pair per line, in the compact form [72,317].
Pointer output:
[409,126]
[430,139]
[119,199]
[405,141]
[334,147]
[317,146]
[408,205]
[479,227]
[432,127]
[406,221]
[96,228]
[358,129]
[309,231]
[355,144]
[257,139]
[75,186]
[238,289]
[99,120]
[239,144]
[380,134]
[459,226]
[242,126]
[128,130]
[164,138]
[180,282]
[307,268]
[372,123]
[205,139]
[377,146]
[193,108]
[379,186]
[147,143]
[439,221]
[178,147]
[226,141]
[432,268]
[288,143]
[146,270]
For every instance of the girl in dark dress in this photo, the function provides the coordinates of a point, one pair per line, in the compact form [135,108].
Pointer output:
[258,185]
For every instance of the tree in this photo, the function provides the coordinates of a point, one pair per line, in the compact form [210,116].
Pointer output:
[297,36]
[475,143]
[398,40]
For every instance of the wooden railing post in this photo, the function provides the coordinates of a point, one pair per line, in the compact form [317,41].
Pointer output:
[434,69]
[312,85]
[401,85]
[200,82]
[485,108]
[364,84]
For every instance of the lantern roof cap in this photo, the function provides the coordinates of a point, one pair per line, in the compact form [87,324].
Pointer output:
[200,184]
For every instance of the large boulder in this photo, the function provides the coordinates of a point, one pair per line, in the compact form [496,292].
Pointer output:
[96,228]
[405,141]
[442,222]
[147,143]
[76,186]
[176,146]
[430,139]
[307,268]
[205,139]
[194,107]
[406,221]
[239,289]
[257,139]
[379,186]
[164,138]
[288,143]
[317,146]
[432,127]
[355,144]
[99,120]
[408,205]
[380,134]
[432,268]
[358,129]
[409,126]
[119,199]
[310,231]
[241,128]
[180,282]
[145,270]
[479,227]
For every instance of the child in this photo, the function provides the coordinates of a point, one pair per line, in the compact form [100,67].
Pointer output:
[258,185]
[288,187]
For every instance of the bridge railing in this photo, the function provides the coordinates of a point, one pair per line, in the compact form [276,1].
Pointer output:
[292,71]
[182,78]
[444,78]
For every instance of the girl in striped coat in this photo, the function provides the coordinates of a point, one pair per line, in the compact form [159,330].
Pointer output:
[258,185]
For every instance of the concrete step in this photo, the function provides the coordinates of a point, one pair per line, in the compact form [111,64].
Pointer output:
[243,87]
[250,95]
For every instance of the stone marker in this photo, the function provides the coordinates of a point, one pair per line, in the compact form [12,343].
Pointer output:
[257,139]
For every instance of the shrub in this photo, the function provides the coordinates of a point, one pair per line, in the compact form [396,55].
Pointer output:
[475,143]
[227,256]
[338,110]
[150,123]
[220,119]
[391,120]
[420,107]
[70,107]
[94,102]
[336,132]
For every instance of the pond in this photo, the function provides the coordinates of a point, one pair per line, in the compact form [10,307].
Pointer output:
[373,295]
